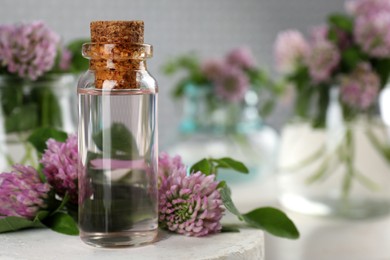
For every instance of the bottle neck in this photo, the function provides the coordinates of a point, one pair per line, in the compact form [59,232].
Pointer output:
[117,65]
[122,65]
[117,74]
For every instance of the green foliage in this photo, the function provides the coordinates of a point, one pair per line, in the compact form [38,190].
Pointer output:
[48,108]
[190,65]
[231,164]
[10,224]
[117,141]
[204,166]
[268,219]
[383,69]
[350,58]
[29,104]
[61,223]
[210,166]
[228,202]
[273,221]
[79,63]
[341,21]
[39,137]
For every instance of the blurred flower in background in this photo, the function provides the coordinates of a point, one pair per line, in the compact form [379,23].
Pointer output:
[289,50]
[337,84]
[360,88]
[28,50]
[225,80]
[322,56]
[37,75]
[334,57]
[224,103]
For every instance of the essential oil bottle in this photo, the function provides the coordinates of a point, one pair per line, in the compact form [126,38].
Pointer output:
[118,146]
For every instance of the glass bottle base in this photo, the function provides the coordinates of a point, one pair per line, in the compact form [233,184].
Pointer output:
[349,209]
[119,239]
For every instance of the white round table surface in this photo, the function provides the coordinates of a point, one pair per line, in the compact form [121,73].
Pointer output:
[44,244]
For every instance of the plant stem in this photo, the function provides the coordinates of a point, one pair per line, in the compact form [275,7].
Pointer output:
[349,158]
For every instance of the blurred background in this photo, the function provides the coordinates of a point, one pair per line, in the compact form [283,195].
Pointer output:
[173,27]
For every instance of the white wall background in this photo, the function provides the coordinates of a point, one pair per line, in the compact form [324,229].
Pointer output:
[210,27]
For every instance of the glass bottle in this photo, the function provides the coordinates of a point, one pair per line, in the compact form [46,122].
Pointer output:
[118,146]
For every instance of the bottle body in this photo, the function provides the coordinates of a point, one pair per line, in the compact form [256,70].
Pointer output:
[118,160]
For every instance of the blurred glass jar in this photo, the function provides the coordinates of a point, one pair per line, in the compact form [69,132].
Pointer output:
[341,170]
[28,105]
[226,129]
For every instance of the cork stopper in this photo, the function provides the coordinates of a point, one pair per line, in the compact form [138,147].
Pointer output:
[117,43]
[117,31]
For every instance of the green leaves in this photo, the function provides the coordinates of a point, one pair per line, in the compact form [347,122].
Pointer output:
[9,224]
[79,63]
[268,219]
[273,221]
[40,136]
[232,164]
[190,64]
[211,166]
[118,139]
[22,118]
[48,107]
[382,66]
[204,166]
[61,223]
[30,104]
[341,21]
[228,202]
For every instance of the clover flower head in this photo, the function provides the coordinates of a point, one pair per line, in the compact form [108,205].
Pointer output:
[28,49]
[188,204]
[22,193]
[360,89]
[290,48]
[232,85]
[241,57]
[373,35]
[322,58]
[60,166]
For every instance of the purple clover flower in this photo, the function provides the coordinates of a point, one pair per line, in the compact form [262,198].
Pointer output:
[290,48]
[367,7]
[60,166]
[323,56]
[28,50]
[360,89]
[232,85]
[22,193]
[167,165]
[241,57]
[188,204]
[212,68]
[372,33]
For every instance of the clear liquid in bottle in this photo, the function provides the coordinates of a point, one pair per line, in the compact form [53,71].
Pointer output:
[118,149]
